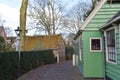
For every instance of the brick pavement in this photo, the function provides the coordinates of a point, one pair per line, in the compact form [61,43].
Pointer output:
[61,71]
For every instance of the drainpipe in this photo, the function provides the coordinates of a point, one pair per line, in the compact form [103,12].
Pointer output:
[104,57]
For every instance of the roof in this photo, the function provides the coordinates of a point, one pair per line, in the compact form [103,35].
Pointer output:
[42,42]
[90,17]
[114,19]
[99,16]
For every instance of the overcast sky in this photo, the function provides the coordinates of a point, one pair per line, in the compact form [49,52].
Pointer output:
[9,12]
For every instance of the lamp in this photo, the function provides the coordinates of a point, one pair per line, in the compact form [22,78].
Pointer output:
[18,31]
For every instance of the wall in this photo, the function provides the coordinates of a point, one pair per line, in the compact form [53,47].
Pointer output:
[79,63]
[113,70]
[93,61]
[107,11]
[92,64]
[104,15]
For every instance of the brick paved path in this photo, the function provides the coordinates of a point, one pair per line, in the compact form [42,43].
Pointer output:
[61,71]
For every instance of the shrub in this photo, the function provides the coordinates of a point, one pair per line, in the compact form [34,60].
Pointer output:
[2,44]
[11,68]
[8,63]
[33,59]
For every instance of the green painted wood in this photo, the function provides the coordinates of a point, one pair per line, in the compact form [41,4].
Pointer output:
[80,66]
[113,70]
[109,10]
[94,25]
[108,5]
[114,78]
[93,61]
[80,63]
[103,15]
[98,16]
[100,20]
[92,64]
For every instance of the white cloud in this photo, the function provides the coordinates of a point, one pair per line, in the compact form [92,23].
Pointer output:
[10,15]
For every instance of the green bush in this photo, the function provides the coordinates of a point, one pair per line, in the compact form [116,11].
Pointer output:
[8,63]
[11,68]
[2,44]
[33,59]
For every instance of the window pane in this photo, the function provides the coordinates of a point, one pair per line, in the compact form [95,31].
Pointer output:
[95,44]
[111,45]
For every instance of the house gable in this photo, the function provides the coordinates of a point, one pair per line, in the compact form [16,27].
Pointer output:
[92,14]
[92,64]
[104,13]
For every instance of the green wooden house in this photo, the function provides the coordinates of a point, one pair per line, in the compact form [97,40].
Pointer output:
[111,33]
[89,43]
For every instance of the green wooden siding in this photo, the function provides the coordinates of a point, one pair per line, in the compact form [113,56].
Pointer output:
[103,15]
[80,63]
[93,61]
[113,70]
[92,64]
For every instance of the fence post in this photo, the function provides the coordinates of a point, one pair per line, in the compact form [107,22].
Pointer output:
[58,58]
[73,59]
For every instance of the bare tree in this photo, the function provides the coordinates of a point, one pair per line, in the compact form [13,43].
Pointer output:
[8,31]
[46,15]
[76,15]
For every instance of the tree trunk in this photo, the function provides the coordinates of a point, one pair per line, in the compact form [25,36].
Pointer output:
[23,11]
[53,17]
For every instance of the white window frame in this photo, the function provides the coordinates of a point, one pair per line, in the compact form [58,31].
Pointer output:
[100,45]
[106,45]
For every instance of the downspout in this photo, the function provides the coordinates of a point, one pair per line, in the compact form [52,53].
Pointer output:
[104,56]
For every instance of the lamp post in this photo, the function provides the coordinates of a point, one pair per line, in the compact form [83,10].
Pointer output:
[18,32]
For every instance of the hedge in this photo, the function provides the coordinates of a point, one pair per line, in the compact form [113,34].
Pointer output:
[11,68]
[33,59]
[8,64]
